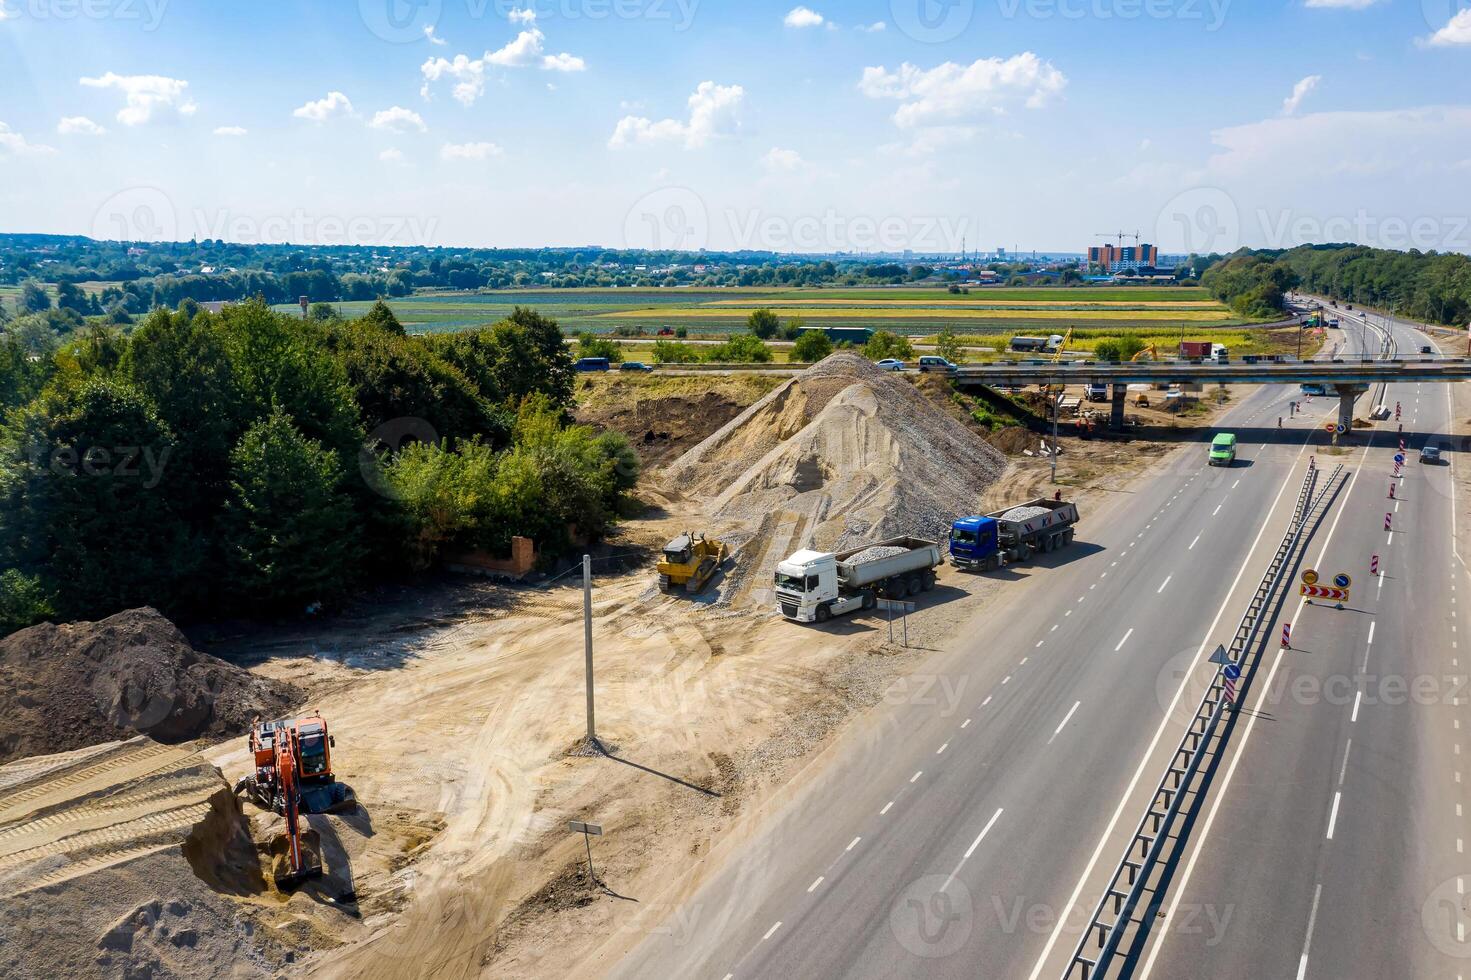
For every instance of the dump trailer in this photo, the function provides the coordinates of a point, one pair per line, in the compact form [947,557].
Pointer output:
[814,586]
[1012,535]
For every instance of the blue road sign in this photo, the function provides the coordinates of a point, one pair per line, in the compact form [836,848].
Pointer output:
[1232,672]
[1399,457]
[1342,581]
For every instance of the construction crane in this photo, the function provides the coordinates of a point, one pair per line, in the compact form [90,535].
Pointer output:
[1062,347]
[1150,350]
[1120,235]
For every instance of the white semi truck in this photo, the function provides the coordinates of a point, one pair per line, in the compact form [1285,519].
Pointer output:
[814,586]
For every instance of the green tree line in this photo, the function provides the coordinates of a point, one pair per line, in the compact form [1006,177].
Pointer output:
[257,463]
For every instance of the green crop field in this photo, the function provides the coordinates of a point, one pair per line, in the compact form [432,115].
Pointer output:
[905,310]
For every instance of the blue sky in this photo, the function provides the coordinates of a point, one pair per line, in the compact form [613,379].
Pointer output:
[861,126]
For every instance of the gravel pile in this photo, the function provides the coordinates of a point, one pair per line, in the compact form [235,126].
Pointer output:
[876,553]
[1019,514]
[853,452]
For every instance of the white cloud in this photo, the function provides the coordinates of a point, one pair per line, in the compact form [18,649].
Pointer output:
[800,17]
[951,92]
[526,15]
[526,51]
[334,104]
[78,126]
[230,130]
[1340,4]
[778,160]
[469,151]
[398,119]
[15,144]
[714,112]
[877,27]
[1454,33]
[1300,91]
[147,96]
[433,38]
[4,13]
[391,155]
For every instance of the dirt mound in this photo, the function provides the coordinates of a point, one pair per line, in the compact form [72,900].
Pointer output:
[856,451]
[62,687]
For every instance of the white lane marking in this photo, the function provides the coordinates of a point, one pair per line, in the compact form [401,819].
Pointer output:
[1333,817]
[1163,584]
[886,808]
[965,724]
[941,749]
[1006,680]
[1358,696]
[916,775]
[1039,645]
[1065,720]
[1194,543]
[769,932]
[1218,509]
[987,701]
[852,844]
[1371,631]
[1103,840]
[813,887]
[972,849]
[1302,965]
[1054,628]
[1343,769]
[1023,661]
[1124,640]
[1236,484]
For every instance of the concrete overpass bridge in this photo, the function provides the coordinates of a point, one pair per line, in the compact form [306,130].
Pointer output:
[1348,379]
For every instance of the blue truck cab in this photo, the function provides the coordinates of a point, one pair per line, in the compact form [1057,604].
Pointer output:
[974,542]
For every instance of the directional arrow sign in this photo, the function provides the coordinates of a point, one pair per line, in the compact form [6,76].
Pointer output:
[1232,672]
[1323,592]
[1342,580]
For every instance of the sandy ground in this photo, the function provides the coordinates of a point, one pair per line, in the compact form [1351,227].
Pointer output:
[459,720]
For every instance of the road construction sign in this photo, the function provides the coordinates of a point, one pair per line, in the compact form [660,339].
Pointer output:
[1342,580]
[1219,657]
[1309,577]
[1330,426]
[1323,592]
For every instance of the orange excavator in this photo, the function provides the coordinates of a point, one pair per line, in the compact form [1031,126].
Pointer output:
[292,776]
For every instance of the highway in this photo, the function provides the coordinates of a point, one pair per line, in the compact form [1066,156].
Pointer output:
[1335,835]
[957,826]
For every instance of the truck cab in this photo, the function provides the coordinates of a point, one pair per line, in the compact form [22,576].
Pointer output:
[806,583]
[974,542]
[1097,392]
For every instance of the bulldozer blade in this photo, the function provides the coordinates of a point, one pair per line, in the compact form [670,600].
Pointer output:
[283,873]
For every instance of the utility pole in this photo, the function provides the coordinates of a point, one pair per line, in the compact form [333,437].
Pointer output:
[592,732]
[1056,405]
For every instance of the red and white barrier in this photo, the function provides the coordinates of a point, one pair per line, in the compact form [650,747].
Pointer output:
[1374,565]
[1391,491]
[1388,518]
[1287,636]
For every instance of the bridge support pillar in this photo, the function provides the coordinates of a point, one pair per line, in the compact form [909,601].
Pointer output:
[1116,417]
[1347,396]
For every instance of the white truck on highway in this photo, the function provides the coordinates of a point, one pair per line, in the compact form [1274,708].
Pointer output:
[814,586]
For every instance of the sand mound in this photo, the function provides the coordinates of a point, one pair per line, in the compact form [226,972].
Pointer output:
[62,687]
[854,451]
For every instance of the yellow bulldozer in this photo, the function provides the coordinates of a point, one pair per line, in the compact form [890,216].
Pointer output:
[690,562]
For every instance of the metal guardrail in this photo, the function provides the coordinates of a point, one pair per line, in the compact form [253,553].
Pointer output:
[1152,834]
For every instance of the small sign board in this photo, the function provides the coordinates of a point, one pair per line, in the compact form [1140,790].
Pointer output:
[1399,457]
[1342,580]
[578,827]
[1309,576]
[1219,657]
[1232,672]
[896,605]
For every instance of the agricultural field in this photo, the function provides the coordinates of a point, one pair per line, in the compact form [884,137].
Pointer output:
[904,310]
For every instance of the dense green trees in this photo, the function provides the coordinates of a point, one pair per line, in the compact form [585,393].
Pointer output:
[884,344]
[254,461]
[1253,285]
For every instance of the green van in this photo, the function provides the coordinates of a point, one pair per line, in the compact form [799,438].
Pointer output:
[1223,449]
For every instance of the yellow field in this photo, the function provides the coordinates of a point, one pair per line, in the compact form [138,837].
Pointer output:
[946,306]
[1216,315]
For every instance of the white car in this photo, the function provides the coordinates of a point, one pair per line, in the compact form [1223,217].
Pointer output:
[890,364]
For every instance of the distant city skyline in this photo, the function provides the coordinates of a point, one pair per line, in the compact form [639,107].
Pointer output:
[813,128]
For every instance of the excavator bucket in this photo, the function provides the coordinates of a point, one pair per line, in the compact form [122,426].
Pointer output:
[291,870]
[331,797]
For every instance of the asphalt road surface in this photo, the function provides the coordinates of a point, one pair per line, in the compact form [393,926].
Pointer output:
[1335,842]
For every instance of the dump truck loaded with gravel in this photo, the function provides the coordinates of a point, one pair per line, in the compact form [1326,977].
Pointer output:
[814,586]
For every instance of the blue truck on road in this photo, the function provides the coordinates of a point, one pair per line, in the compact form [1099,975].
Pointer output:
[1012,535]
